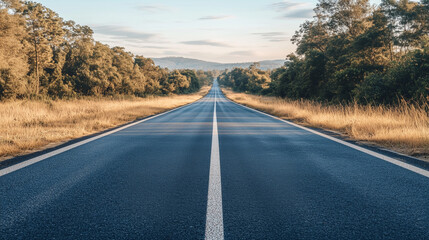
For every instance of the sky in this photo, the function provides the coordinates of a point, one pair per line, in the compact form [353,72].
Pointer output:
[223,31]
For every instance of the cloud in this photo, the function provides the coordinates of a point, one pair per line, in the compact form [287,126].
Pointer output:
[153,47]
[302,13]
[287,6]
[172,53]
[120,32]
[153,8]
[206,43]
[293,9]
[216,17]
[279,40]
[145,46]
[242,53]
[273,36]
[269,34]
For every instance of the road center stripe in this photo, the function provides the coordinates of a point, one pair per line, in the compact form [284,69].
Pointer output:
[214,220]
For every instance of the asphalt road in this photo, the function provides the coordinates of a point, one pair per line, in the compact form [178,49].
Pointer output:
[213,170]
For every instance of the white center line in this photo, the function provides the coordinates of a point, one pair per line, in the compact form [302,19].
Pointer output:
[214,220]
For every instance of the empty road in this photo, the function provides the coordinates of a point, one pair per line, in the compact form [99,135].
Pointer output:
[213,170]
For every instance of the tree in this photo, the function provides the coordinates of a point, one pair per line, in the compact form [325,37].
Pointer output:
[62,60]
[13,55]
[152,73]
[176,82]
[409,22]
[45,33]
[194,81]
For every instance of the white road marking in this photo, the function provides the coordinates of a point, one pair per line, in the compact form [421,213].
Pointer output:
[214,220]
[399,163]
[31,161]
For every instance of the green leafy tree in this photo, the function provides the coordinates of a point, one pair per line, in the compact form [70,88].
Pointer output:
[13,55]
[352,51]
[45,34]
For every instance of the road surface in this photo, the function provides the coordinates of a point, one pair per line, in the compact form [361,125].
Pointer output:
[213,170]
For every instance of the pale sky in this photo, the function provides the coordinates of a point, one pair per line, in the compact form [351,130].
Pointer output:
[216,30]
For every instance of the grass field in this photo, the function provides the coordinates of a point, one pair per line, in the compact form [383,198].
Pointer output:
[404,128]
[27,126]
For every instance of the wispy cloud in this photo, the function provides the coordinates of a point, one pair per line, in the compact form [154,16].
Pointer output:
[273,36]
[279,40]
[146,46]
[290,9]
[133,45]
[220,17]
[120,32]
[269,34]
[153,8]
[302,13]
[242,53]
[206,43]
[172,53]
[287,6]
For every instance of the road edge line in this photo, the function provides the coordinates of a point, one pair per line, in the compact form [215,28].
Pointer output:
[396,162]
[45,156]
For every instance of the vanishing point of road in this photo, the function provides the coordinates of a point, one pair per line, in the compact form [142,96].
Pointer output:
[213,170]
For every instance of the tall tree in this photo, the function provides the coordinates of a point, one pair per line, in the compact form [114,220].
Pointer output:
[13,55]
[409,22]
[45,33]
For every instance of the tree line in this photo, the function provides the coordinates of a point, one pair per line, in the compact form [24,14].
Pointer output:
[43,55]
[351,51]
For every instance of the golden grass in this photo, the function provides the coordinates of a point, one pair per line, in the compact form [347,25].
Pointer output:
[27,126]
[404,128]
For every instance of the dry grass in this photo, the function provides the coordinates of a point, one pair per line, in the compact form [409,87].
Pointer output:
[404,128]
[27,126]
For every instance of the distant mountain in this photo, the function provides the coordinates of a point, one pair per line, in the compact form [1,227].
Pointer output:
[189,63]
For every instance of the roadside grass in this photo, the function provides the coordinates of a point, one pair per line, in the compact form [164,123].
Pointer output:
[31,125]
[404,128]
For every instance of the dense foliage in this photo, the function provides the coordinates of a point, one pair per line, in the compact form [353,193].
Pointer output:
[352,51]
[43,55]
[252,79]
